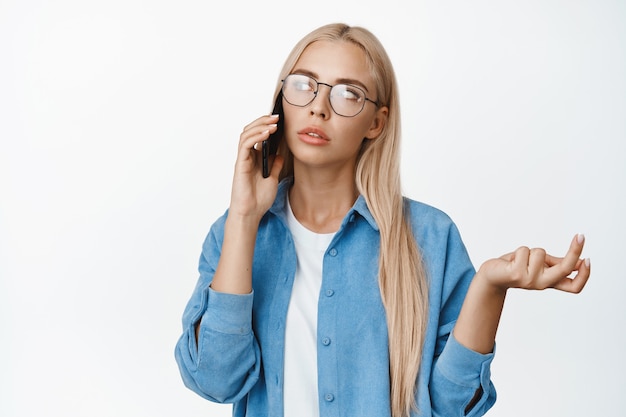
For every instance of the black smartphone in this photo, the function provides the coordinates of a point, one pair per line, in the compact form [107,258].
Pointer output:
[270,145]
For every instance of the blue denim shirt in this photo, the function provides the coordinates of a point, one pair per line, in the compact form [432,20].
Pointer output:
[238,357]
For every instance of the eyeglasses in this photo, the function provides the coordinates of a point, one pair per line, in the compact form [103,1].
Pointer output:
[345,99]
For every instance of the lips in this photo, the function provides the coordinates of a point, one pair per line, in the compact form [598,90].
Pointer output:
[313,136]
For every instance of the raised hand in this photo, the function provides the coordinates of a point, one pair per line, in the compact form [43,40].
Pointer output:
[531,269]
[251,194]
[534,269]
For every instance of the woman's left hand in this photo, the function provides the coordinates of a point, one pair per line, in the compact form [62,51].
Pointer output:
[534,269]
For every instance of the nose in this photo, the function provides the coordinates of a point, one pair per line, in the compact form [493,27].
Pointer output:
[320,105]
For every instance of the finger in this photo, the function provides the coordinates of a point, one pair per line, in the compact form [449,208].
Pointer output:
[520,257]
[562,267]
[258,126]
[508,257]
[576,284]
[263,120]
[553,260]
[536,265]
[250,142]
[519,268]
[575,250]
[256,134]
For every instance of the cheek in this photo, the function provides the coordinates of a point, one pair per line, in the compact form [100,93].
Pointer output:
[363,127]
[288,118]
[287,125]
[289,129]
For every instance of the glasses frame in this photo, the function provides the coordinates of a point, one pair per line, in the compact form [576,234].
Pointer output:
[317,89]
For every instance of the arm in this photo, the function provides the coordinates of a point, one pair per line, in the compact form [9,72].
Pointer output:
[461,375]
[531,269]
[220,359]
[218,355]
[233,274]
[234,270]
[460,379]
[251,196]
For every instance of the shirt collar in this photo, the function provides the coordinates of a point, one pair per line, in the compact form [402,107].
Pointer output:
[359,207]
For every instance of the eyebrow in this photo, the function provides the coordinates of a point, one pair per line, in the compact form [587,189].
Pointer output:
[338,81]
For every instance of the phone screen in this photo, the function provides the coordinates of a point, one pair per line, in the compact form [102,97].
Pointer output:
[269,146]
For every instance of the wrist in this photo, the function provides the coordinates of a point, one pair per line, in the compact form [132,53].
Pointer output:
[240,231]
[242,221]
[485,286]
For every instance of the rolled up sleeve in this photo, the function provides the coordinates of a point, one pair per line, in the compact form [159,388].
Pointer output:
[224,363]
[461,381]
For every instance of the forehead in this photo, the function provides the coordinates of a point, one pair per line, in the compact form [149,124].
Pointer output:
[335,60]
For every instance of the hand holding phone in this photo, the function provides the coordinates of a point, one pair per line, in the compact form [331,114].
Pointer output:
[269,147]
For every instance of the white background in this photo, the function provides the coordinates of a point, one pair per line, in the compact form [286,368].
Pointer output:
[118,128]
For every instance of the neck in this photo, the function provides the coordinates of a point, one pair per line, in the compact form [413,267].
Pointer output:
[320,200]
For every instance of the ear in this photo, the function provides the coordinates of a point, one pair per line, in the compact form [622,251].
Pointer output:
[378,123]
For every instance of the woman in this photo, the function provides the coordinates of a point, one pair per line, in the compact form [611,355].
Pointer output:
[322,290]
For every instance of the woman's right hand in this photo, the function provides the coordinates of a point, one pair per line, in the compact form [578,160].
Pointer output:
[251,197]
[251,194]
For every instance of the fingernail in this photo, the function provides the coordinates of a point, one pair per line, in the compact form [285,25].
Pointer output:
[587,262]
[273,125]
[274,115]
[580,238]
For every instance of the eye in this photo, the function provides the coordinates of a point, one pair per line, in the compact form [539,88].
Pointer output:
[301,83]
[348,92]
[303,86]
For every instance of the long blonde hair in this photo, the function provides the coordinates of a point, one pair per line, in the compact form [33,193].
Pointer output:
[402,278]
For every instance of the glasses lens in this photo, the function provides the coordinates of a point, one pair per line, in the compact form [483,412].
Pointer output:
[299,90]
[347,100]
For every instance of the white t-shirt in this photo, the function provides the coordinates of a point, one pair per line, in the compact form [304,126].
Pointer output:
[300,383]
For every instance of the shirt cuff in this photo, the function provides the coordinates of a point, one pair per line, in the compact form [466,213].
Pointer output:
[464,366]
[228,313]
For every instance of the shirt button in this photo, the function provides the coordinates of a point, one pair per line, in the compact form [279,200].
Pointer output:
[330,293]
[326,341]
[329,397]
[333,252]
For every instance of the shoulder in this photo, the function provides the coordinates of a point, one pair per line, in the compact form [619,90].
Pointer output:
[442,248]
[424,215]
[433,228]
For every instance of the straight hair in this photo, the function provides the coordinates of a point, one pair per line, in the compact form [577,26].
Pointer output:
[401,275]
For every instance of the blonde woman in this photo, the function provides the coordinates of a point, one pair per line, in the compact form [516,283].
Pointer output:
[322,290]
